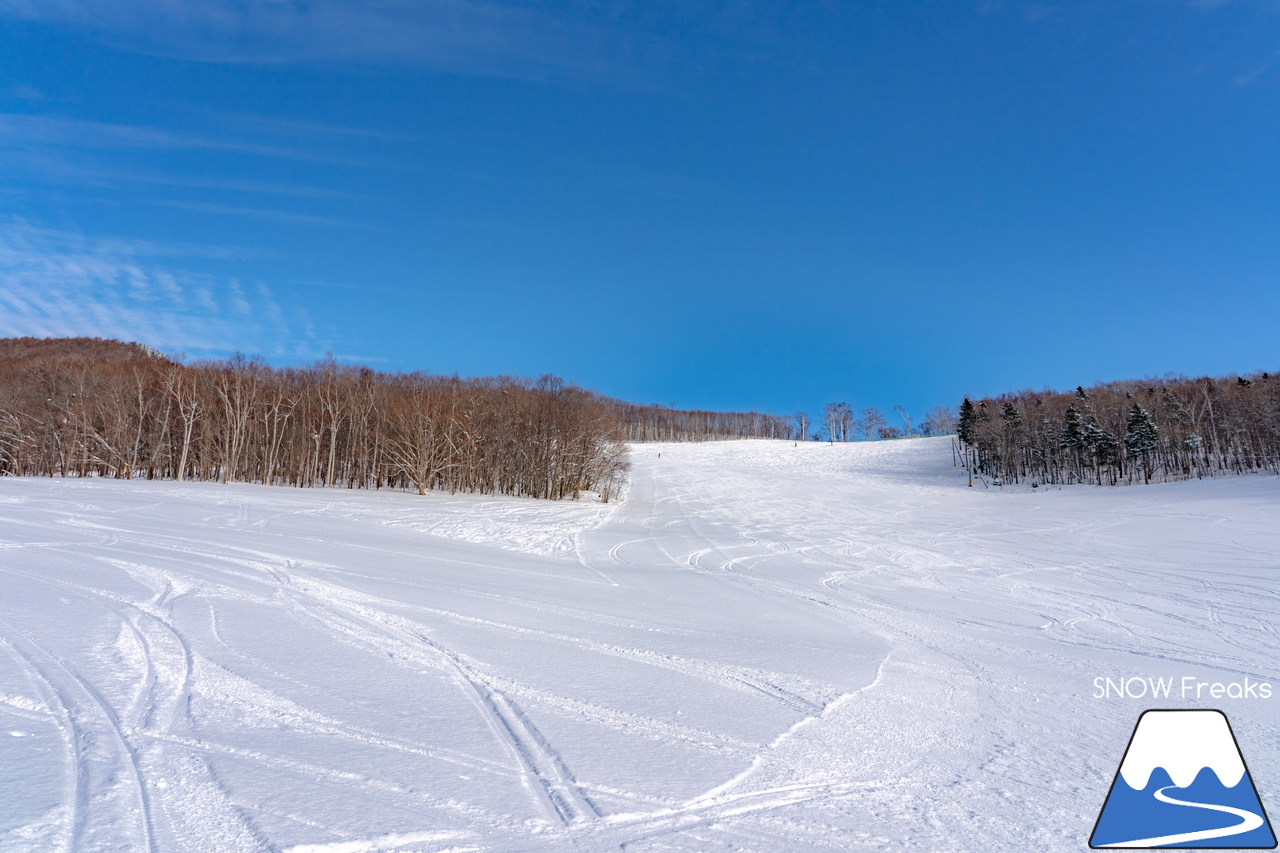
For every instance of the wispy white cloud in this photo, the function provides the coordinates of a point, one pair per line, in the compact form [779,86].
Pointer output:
[138,250]
[57,283]
[339,285]
[460,35]
[241,186]
[44,150]
[27,131]
[259,213]
[1265,67]
[59,151]
[24,93]
[226,184]
[294,128]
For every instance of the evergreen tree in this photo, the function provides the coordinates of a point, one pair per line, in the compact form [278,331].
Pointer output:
[1101,444]
[1011,428]
[1012,419]
[967,423]
[1072,429]
[1140,438]
[1206,427]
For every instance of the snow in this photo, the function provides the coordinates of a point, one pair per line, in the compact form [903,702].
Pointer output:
[765,647]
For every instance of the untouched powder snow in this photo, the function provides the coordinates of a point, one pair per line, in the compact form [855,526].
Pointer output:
[763,648]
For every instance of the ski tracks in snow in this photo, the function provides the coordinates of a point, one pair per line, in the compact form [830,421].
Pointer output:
[128,791]
[544,771]
[765,648]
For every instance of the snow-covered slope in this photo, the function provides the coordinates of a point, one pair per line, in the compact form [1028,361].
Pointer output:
[765,648]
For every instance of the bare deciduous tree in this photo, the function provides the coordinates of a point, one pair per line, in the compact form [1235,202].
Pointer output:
[839,421]
[870,423]
[906,419]
[940,421]
[801,420]
[98,408]
[661,423]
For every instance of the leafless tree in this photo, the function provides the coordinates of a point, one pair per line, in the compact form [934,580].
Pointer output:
[870,423]
[801,420]
[111,409]
[661,423]
[838,419]
[906,419]
[1132,431]
[940,420]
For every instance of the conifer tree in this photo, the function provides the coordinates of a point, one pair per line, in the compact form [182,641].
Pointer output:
[1071,439]
[1170,429]
[1101,444]
[967,424]
[1012,418]
[1072,430]
[1011,434]
[1140,438]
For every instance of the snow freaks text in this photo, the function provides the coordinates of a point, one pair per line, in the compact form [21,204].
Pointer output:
[1186,687]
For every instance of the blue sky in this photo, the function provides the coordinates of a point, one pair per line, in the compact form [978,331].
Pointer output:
[729,205]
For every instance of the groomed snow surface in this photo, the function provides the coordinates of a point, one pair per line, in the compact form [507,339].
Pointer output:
[763,648]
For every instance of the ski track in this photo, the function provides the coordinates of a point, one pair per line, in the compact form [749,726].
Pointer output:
[105,764]
[763,648]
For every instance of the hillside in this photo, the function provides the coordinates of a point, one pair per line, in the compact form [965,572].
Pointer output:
[763,647]
[88,407]
[1135,431]
[101,349]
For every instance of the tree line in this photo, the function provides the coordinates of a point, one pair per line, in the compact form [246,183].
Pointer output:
[1133,431]
[87,407]
[660,423]
[841,423]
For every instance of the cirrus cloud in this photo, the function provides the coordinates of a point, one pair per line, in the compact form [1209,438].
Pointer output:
[59,283]
[458,35]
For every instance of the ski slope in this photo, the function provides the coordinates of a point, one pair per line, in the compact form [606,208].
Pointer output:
[764,647]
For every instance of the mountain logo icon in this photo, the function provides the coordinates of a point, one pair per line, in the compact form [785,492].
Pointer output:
[1183,783]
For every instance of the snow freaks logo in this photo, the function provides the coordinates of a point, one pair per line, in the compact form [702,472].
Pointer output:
[1183,783]
[1187,687]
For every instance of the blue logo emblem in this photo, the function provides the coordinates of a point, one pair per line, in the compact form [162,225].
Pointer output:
[1183,783]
